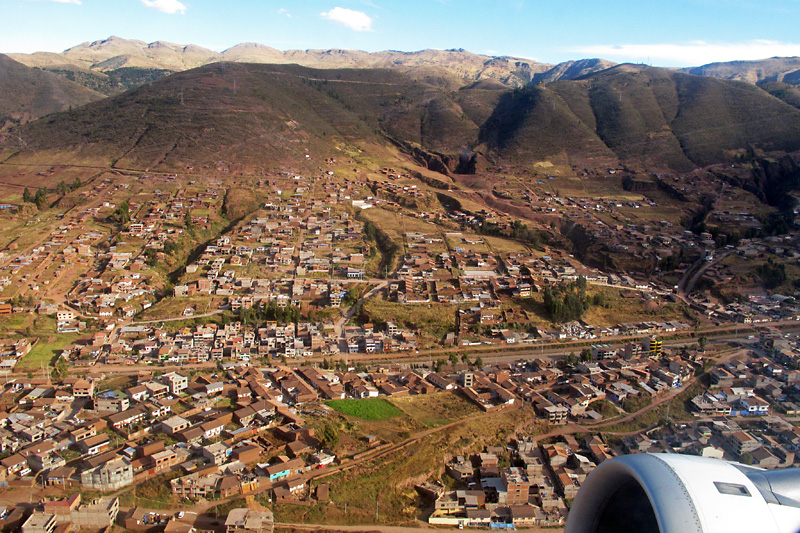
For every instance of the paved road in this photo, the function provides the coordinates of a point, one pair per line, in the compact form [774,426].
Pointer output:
[421,528]
[212,313]
[339,326]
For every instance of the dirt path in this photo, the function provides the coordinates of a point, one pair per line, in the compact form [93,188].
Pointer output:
[339,325]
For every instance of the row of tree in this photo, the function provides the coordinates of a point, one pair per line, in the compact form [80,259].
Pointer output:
[566,302]
[270,312]
[40,198]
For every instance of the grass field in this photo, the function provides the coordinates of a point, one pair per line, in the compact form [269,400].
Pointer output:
[434,319]
[44,352]
[435,409]
[366,409]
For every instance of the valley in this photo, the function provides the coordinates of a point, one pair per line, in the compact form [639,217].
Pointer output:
[340,296]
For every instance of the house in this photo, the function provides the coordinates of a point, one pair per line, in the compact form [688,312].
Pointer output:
[248,521]
[110,475]
[15,464]
[174,424]
[284,470]
[45,461]
[216,453]
[129,417]
[94,445]
[83,388]
[246,454]
[176,382]
[212,428]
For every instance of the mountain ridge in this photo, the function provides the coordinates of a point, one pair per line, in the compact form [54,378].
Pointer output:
[116,52]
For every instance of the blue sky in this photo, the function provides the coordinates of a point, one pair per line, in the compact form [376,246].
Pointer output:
[662,33]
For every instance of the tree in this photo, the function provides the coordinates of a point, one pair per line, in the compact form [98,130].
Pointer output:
[329,436]
[151,257]
[702,342]
[27,196]
[479,362]
[122,214]
[453,360]
[40,198]
[188,222]
[772,274]
[746,459]
[566,301]
[61,368]
[465,358]
[77,184]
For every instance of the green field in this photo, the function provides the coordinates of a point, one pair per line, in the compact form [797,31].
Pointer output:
[366,409]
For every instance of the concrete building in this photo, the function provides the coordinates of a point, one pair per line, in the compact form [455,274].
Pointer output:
[112,475]
[740,442]
[176,382]
[517,485]
[174,424]
[100,513]
[40,523]
[247,521]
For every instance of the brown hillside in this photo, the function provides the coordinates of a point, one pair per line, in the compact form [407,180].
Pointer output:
[28,93]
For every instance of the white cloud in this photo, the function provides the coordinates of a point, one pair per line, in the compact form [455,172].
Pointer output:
[355,20]
[76,2]
[693,53]
[166,6]
[284,11]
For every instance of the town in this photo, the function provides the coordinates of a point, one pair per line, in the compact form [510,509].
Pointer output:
[271,350]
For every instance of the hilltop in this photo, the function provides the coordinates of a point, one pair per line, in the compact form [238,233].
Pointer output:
[780,69]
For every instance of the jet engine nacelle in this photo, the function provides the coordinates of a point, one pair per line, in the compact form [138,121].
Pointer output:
[670,493]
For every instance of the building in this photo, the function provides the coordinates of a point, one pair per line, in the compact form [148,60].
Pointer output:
[740,442]
[112,475]
[602,351]
[174,424]
[83,388]
[176,382]
[216,453]
[114,401]
[40,523]
[517,485]
[652,345]
[247,521]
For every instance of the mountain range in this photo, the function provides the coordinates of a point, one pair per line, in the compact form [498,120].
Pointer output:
[114,53]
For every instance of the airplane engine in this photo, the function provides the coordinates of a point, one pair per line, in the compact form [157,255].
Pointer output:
[670,493]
